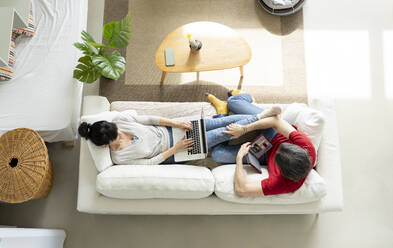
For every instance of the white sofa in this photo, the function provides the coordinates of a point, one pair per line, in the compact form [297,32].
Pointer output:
[90,201]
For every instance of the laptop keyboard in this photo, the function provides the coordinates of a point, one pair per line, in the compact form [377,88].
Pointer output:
[194,134]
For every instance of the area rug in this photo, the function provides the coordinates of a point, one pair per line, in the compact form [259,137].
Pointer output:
[276,72]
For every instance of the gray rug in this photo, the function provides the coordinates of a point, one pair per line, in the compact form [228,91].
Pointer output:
[276,72]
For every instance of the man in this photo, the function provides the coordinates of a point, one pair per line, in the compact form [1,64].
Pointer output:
[289,161]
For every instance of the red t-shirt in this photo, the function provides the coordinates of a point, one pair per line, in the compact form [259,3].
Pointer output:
[277,183]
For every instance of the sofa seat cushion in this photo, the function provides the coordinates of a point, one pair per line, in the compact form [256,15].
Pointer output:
[313,189]
[155,181]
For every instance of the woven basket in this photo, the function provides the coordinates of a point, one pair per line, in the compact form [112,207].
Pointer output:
[25,170]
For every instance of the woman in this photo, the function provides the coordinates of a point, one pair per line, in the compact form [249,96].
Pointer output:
[137,139]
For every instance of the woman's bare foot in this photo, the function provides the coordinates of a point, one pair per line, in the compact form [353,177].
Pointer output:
[273,111]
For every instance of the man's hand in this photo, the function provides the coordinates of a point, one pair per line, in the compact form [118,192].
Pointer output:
[235,130]
[183,144]
[242,186]
[243,150]
[185,125]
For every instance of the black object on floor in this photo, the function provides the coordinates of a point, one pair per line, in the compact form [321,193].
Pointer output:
[282,12]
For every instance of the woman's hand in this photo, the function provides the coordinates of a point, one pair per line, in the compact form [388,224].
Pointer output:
[235,130]
[185,125]
[184,144]
[244,150]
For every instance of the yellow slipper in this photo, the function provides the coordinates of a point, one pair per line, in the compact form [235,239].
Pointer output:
[220,106]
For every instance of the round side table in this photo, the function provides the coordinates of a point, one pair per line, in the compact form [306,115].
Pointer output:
[25,170]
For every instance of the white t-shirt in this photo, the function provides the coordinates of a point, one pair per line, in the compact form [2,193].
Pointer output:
[152,140]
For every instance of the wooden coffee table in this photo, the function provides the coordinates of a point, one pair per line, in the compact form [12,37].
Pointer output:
[223,48]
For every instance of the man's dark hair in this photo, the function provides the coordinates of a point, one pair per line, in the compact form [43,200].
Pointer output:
[293,161]
[100,132]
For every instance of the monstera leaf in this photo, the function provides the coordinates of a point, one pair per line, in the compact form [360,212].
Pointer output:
[112,65]
[118,33]
[86,71]
[85,48]
[97,60]
[88,39]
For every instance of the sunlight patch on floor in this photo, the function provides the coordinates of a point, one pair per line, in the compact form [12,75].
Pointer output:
[264,69]
[338,63]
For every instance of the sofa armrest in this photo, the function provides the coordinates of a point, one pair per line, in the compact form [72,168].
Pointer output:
[329,164]
[94,105]
[87,193]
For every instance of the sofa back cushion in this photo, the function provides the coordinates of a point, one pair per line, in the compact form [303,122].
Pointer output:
[308,121]
[155,181]
[313,189]
[165,109]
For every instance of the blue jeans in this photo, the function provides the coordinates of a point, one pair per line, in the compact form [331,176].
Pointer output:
[239,105]
[214,128]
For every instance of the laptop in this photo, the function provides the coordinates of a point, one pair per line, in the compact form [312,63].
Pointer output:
[198,134]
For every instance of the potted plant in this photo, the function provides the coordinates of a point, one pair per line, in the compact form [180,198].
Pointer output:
[103,59]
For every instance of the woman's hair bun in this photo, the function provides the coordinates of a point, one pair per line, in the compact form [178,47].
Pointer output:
[84,129]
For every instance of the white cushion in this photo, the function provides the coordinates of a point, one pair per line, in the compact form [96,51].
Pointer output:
[100,154]
[308,121]
[313,189]
[155,181]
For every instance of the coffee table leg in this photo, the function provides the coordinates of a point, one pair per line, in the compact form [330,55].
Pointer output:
[241,71]
[163,77]
[197,76]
